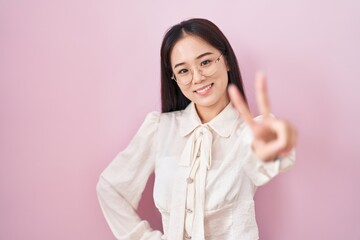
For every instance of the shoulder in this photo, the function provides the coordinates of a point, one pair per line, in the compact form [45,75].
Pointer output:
[168,116]
[157,117]
[153,116]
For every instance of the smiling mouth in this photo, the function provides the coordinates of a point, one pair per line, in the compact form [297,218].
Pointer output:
[204,89]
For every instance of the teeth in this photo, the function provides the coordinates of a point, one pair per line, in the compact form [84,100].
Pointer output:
[204,89]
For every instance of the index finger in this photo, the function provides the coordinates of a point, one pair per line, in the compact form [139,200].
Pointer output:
[239,103]
[261,94]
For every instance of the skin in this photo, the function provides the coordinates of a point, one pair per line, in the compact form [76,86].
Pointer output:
[186,51]
[273,137]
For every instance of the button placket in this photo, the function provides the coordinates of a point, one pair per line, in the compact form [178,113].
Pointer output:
[198,161]
[190,197]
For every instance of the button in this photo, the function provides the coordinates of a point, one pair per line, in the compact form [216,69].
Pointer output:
[189,180]
[187,236]
[189,210]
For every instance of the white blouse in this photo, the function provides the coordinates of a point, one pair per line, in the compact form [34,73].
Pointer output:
[205,178]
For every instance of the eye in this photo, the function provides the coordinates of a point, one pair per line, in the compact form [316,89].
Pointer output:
[183,71]
[204,63]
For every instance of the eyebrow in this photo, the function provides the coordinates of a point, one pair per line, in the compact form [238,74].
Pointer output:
[200,56]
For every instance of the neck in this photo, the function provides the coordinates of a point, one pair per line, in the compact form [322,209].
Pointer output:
[207,113]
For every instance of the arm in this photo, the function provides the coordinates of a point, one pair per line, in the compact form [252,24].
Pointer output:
[121,184]
[269,142]
[261,172]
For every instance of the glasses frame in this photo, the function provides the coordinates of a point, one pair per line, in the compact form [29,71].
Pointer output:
[192,72]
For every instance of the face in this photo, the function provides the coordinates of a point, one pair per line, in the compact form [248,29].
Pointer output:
[190,54]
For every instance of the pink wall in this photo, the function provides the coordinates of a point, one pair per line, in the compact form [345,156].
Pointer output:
[77,78]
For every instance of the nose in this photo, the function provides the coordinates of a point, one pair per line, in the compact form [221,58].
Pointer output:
[197,76]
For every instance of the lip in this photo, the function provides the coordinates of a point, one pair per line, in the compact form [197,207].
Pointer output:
[204,90]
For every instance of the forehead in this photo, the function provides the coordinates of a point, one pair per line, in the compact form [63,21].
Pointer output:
[188,48]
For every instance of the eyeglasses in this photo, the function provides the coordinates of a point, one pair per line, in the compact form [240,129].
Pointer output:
[207,68]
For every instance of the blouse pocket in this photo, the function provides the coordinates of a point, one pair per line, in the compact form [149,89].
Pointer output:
[218,222]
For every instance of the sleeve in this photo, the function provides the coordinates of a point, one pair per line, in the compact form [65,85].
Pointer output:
[121,184]
[261,172]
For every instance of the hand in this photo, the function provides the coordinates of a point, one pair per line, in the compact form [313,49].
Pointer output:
[272,137]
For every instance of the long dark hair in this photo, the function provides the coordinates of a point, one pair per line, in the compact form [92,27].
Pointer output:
[172,98]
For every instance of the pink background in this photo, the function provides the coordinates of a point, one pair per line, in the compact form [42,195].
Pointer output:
[77,78]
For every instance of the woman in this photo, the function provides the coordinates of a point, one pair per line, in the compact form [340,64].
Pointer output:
[208,154]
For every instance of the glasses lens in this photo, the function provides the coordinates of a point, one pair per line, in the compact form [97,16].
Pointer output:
[209,69]
[184,78]
[206,68]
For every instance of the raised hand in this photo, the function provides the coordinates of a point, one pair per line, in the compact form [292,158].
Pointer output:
[273,137]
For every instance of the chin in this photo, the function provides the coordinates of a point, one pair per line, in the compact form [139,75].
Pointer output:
[208,102]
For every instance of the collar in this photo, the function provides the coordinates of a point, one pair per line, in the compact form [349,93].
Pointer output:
[222,124]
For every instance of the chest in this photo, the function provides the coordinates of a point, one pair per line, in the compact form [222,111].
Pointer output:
[225,180]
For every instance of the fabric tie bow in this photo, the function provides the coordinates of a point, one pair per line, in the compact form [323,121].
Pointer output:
[187,211]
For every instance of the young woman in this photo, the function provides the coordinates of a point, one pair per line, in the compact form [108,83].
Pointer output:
[208,154]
